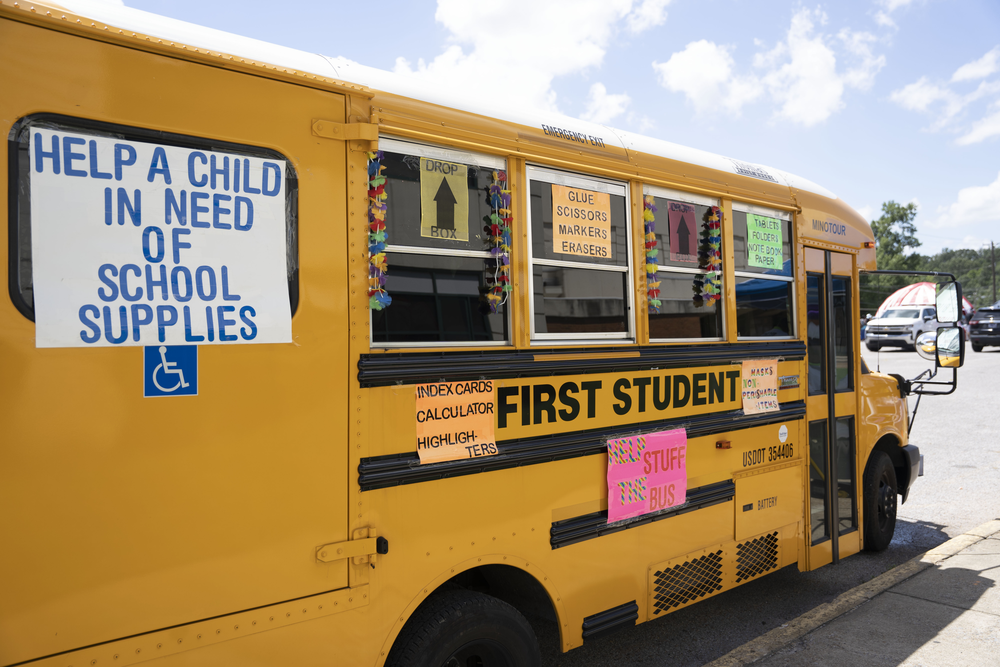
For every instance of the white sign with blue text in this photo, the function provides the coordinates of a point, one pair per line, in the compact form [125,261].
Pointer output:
[136,243]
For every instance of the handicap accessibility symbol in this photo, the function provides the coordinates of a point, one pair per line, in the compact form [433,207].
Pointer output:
[170,370]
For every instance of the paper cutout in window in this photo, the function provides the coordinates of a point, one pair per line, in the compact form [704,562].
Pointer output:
[444,200]
[683,229]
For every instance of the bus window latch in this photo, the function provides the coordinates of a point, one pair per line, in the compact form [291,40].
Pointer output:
[362,549]
[330,129]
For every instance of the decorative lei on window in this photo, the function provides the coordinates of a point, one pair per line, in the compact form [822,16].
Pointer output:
[709,286]
[378,298]
[649,226]
[499,236]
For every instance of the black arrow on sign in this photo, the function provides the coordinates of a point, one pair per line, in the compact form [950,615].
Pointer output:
[446,206]
[683,235]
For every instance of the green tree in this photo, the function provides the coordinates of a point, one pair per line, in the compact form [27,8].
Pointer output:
[895,241]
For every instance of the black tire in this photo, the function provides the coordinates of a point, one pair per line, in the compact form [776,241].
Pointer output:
[459,628]
[880,501]
[976,347]
[874,347]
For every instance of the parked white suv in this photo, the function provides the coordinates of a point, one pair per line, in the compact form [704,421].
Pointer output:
[900,327]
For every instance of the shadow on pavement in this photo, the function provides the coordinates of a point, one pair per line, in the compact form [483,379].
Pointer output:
[943,616]
[706,630]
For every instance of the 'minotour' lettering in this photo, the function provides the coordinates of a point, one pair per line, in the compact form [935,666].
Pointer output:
[828,227]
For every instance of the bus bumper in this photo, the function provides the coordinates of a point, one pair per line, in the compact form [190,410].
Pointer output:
[914,465]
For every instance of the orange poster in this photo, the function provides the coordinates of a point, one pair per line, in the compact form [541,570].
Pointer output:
[455,420]
[581,222]
[759,380]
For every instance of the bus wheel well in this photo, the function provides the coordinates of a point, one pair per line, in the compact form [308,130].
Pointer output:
[890,445]
[520,590]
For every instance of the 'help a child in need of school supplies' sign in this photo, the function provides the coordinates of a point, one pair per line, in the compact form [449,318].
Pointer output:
[646,473]
[141,244]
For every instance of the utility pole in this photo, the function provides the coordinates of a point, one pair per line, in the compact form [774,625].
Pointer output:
[993,261]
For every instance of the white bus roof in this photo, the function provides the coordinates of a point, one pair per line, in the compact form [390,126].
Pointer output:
[342,69]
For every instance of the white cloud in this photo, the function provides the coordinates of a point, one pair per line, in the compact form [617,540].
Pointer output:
[601,107]
[800,73]
[982,129]
[867,212]
[893,5]
[946,105]
[974,205]
[648,14]
[529,44]
[979,69]
[883,16]
[921,94]
[703,71]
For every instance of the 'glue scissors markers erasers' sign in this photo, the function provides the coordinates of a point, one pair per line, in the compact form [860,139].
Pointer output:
[136,243]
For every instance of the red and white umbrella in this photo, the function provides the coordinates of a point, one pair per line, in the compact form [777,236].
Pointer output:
[918,294]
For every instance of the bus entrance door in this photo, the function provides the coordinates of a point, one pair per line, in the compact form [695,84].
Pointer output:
[831,407]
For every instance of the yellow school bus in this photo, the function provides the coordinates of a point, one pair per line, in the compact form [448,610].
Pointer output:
[431,365]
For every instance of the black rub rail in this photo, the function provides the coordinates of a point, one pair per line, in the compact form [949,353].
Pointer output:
[383,370]
[379,472]
[617,618]
[589,526]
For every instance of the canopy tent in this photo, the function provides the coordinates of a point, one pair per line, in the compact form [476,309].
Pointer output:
[918,294]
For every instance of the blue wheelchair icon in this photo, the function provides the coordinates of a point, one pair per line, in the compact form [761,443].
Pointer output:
[170,370]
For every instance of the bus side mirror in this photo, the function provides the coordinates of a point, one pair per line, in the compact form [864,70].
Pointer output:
[948,302]
[950,347]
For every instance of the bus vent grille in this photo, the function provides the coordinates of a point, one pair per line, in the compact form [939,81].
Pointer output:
[756,556]
[689,581]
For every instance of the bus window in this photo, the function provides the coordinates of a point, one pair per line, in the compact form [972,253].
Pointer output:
[762,241]
[437,251]
[83,133]
[682,231]
[580,260]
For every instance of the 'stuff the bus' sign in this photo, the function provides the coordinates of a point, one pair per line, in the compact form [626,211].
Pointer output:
[646,473]
[137,243]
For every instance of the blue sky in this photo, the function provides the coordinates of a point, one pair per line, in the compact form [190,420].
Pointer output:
[873,99]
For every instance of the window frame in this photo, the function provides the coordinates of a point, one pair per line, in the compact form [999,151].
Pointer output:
[698,200]
[597,184]
[392,144]
[785,216]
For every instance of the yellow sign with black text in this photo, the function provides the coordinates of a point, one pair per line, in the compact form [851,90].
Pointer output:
[543,406]
[444,200]
[581,222]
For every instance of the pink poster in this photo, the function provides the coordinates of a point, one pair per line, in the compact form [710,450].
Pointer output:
[683,233]
[646,473]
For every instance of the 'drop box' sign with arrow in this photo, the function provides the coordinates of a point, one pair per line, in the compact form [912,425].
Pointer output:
[444,200]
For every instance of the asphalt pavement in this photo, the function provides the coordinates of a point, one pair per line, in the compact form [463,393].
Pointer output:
[960,490]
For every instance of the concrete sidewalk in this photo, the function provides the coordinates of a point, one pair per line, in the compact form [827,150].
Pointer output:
[942,608]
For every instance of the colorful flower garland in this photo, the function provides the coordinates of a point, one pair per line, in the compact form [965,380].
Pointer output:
[498,231]
[649,226]
[378,298]
[710,285]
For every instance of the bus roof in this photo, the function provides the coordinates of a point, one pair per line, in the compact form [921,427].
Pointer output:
[134,20]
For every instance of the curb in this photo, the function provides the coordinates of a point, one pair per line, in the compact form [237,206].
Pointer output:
[778,638]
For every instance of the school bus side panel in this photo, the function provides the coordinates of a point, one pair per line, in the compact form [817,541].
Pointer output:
[124,515]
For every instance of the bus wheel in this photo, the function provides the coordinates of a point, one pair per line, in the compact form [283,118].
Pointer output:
[459,628]
[880,502]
